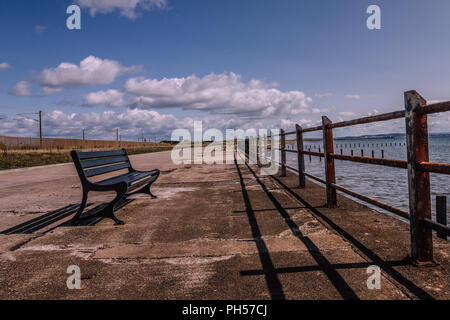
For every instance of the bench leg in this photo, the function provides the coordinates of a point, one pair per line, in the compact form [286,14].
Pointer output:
[108,211]
[81,209]
[147,190]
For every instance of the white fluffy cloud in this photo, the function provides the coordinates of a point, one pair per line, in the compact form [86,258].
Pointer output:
[223,93]
[112,98]
[127,8]
[347,114]
[324,95]
[91,71]
[4,66]
[22,88]
[132,122]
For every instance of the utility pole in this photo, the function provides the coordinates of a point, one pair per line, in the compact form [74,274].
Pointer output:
[84,135]
[40,128]
[117,134]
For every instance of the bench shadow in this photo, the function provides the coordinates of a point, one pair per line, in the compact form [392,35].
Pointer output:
[50,218]
[386,266]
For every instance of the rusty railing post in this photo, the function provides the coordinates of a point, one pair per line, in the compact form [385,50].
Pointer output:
[328,146]
[258,141]
[283,153]
[441,214]
[418,181]
[300,157]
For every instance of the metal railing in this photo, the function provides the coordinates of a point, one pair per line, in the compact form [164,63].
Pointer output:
[417,164]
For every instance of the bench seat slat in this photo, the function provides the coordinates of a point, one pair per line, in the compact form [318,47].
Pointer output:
[101,154]
[107,169]
[129,177]
[102,161]
[142,182]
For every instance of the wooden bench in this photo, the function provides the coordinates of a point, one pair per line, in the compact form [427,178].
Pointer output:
[92,164]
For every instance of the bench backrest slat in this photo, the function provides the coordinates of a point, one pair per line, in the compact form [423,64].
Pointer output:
[107,169]
[101,154]
[91,164]
[102,162]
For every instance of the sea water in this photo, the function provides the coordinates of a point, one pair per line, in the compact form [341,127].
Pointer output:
[389,185]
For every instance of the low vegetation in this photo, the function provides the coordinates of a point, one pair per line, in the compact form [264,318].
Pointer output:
[13,159]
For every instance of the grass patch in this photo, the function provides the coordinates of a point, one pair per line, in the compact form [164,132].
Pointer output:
[14,159]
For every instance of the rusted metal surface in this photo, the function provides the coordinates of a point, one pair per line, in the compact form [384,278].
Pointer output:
[441,214]
[440,228]
[377,161]
[443,168]
[315,178]
[258,142]
[417,164]
[300,157]
[330,172]
[435,108]
[385,206]
[291,151]
[283,153]
[312,129]
[418,181]
[377,118]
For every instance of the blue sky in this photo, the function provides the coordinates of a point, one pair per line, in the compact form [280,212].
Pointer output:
[232,64]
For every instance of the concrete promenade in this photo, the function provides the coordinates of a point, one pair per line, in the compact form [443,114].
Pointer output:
[215,232]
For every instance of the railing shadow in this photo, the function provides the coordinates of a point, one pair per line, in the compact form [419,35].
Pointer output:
[335,278]
[386,266]
[272,280]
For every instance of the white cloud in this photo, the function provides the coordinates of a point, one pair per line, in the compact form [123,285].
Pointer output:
[132,122]
[324,95]
[113,98]
[22,89]
[347,114]
[98,125]
[91,71]
[126,8]
[217,93]
[352,96]
[4,66]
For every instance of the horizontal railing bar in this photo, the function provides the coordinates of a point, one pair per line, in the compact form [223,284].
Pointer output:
[291,168]
[377,161]
[385,206]
[280,164]
[437,226]
[377,118]
[312,153]
[443,168]
[315,178]
[434,108]
[312,129]
[287,150]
